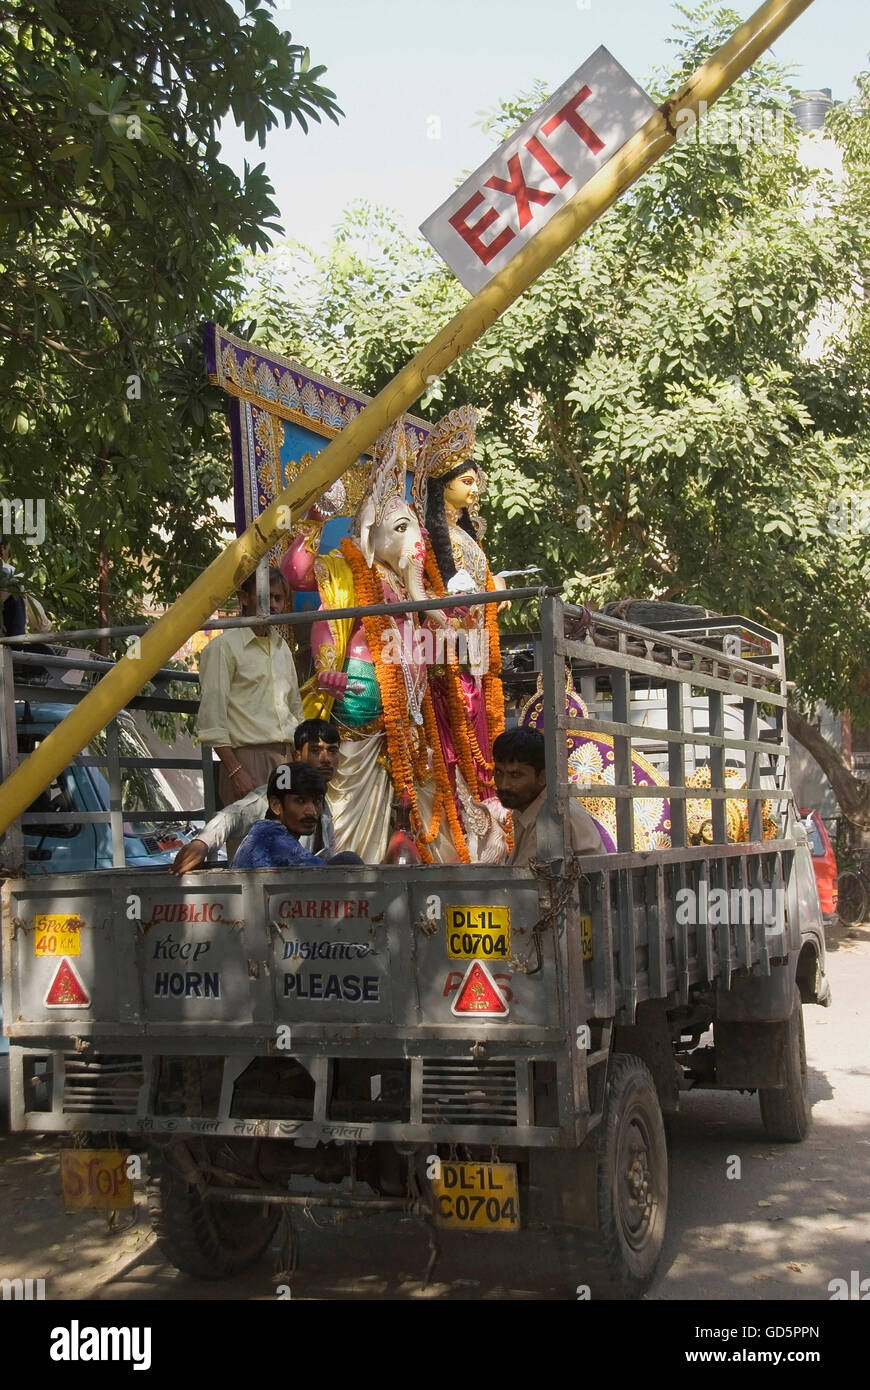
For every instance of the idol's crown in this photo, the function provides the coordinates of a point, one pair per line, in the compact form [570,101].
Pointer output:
[450,442]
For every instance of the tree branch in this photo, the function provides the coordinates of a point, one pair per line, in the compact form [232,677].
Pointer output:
[852,793]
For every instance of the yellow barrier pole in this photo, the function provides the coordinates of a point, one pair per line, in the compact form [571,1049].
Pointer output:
[199,602]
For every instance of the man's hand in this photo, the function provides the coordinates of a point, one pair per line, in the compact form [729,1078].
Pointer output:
[242,783]
[190,856]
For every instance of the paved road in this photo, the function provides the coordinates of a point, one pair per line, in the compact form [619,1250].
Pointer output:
[796,1218]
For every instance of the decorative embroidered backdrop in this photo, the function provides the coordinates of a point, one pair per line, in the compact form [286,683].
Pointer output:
[281,415]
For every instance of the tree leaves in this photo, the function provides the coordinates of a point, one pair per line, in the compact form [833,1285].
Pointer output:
[121,229]
[669,373]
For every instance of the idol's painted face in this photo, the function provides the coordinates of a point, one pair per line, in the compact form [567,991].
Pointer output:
[464,489]
[398,541]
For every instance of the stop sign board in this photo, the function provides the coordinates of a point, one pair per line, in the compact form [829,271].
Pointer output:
[535,172]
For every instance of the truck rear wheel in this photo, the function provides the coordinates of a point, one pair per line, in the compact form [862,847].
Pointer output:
[785,1109]
[210,1240]
[628,1162]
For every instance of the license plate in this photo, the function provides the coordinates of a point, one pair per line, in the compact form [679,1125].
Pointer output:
[477,1196]
[95,1178]
[586,937]
[57,935]
[478,932]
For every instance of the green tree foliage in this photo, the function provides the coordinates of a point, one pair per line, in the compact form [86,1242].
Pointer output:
[121,228]
[679,408]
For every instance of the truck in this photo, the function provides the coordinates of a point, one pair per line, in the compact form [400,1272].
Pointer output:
[493,1050]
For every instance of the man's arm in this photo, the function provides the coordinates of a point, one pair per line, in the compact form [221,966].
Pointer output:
[215,677]
[583,833]
[216,669]
[235,820]
[294,699]
[232,823]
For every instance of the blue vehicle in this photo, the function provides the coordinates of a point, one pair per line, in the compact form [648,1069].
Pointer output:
[64,844]
[77,846]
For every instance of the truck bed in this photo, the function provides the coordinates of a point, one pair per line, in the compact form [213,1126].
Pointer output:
[119,986]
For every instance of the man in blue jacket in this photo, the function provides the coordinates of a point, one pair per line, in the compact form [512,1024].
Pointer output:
[295,795]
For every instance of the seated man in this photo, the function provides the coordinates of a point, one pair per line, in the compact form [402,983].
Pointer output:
[295,796]
[521,786]
[317,745]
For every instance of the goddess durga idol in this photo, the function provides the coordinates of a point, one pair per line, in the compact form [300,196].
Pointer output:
[467,689]
[372,678]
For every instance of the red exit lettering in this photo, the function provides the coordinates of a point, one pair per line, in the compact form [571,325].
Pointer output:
[473,234]
[567,115]
[516,187]
[519,190]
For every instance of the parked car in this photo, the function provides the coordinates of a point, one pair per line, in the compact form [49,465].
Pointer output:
[80,847]
[824,861]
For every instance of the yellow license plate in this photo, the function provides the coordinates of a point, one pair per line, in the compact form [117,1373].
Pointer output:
[57,935]
[477,1196]
[586,937]
[478,932]
[95,1178]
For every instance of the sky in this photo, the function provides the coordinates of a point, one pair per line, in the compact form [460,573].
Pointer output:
[412,77]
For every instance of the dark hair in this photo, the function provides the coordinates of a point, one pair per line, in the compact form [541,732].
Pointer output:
[436,519]
[520,745]
[295,779]
[315,731]
[274,573]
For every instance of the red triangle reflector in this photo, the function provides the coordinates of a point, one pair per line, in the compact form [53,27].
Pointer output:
[66,990]
[479,994]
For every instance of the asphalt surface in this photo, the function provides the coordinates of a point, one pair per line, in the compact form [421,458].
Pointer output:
[795,1219]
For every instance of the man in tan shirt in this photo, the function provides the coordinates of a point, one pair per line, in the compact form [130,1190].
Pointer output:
[250,702]
[521,784]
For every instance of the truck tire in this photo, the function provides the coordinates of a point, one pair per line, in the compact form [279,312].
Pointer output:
[785,1109]
[629,1167]
[209,1240]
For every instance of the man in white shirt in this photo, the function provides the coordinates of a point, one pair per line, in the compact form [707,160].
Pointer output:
[249,702]
[317,744]
[521,784]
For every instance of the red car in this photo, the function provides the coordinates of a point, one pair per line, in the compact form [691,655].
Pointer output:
[824,862]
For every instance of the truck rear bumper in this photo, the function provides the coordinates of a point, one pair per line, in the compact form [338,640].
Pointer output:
[313,1100]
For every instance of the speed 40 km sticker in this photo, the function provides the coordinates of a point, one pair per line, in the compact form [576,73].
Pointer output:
[56,934]
[478,933]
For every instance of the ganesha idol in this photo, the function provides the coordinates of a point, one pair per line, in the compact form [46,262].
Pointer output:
[371,673]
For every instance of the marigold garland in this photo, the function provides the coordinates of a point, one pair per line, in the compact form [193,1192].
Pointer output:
[475,767]
[407,748]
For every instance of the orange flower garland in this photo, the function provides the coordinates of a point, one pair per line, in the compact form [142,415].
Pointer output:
[475,768]
[407,747]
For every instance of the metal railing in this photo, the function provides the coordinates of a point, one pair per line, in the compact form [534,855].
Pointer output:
[26,676]
[16,662]
[609,658]
[702,668]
